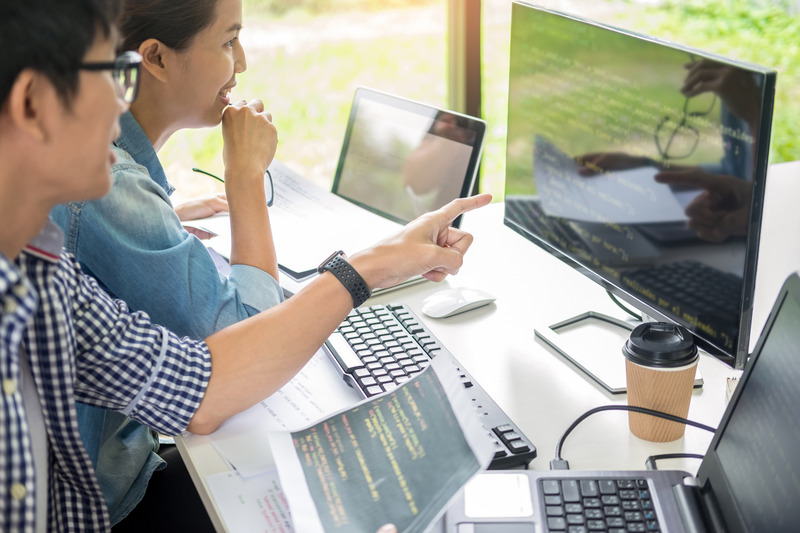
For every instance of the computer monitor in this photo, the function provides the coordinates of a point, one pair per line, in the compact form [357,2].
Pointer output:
[641,163]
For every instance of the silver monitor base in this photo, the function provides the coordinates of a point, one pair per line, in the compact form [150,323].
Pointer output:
[593,342]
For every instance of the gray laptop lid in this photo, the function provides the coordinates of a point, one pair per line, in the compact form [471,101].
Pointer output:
[402,158]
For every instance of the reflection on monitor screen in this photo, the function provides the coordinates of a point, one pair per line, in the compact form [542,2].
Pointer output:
[643,163]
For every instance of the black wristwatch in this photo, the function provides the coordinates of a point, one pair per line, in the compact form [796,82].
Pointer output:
[337,265]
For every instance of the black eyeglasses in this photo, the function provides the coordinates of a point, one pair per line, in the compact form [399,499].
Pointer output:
[268,181]
[125,71]
[678,138]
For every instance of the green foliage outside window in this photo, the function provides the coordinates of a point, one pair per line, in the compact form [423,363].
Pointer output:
[308,83]
[762,32]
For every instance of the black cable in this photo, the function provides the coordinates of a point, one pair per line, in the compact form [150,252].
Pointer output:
[623,306]
[650,463]
[633,408]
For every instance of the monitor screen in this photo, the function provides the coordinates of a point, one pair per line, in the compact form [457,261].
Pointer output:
[642,163]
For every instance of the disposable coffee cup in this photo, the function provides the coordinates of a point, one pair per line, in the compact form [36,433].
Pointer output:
[660,365]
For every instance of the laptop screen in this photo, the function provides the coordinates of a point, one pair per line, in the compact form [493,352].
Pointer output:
[758,451]
[401,159]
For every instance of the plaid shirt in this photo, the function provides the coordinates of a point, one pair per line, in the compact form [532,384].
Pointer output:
[82,346]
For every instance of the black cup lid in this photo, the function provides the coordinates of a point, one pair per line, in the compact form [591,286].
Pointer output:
[660,344]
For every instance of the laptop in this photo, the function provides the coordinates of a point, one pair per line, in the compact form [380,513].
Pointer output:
[402,158]
[399,159]
[749,479]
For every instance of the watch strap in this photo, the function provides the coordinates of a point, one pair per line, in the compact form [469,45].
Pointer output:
[337,265]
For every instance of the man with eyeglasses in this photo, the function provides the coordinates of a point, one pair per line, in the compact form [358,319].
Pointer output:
[64,340]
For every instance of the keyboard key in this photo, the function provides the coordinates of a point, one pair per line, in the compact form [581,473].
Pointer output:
[570,490]
[607,486]
[550,486]
[518,446]
[575,519]
[589,488]
[594,514]
[615,521]
[343,352]
[592,502]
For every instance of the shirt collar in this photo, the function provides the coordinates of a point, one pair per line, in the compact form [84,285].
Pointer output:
[47,245]
[133,140]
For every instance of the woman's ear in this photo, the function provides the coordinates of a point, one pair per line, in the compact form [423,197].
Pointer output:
[154,59]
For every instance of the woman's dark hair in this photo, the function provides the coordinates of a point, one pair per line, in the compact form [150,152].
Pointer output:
[173,22]
[51,37]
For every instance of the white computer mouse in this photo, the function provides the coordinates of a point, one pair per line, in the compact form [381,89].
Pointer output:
[449,302]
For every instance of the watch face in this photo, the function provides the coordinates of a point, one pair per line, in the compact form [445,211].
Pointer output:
[328,260]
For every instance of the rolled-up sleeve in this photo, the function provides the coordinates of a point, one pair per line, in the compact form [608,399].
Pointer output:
[252,285]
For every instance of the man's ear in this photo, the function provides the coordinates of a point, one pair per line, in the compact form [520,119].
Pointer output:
[153,54]
[27,102]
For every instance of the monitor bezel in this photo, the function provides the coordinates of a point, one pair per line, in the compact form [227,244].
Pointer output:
[738,358]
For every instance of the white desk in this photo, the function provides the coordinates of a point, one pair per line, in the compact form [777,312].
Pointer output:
[541,391]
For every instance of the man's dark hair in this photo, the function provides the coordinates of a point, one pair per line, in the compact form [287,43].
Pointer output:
[51,37]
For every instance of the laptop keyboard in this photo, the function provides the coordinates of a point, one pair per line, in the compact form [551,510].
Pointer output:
[587,505]
[378,348]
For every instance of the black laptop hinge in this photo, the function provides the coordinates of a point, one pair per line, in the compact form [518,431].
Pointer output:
[698,508]
[688,500]
[713,516]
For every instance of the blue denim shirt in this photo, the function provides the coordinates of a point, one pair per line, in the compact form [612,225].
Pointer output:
[133,243]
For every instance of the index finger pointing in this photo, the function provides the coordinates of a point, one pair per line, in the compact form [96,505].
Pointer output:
[461,205]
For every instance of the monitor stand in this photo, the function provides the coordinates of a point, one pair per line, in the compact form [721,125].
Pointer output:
[593,342]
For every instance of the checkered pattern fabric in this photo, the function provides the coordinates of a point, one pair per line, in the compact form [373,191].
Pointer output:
[82,346]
